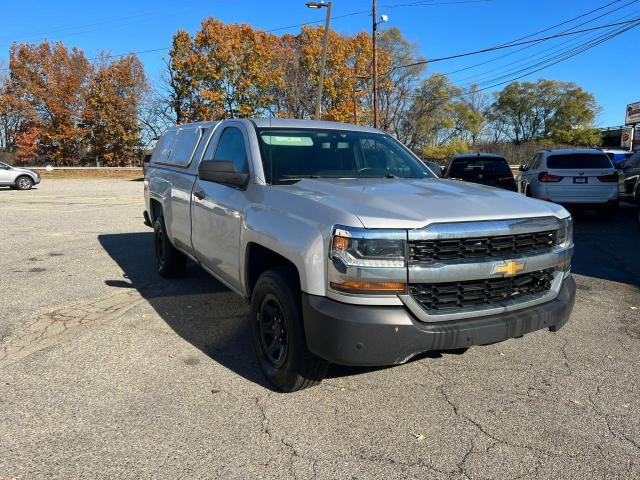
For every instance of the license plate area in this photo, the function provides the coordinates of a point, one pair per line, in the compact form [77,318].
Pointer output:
[580,180]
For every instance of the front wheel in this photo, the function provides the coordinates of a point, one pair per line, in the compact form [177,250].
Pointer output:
[278,334]
[24,183]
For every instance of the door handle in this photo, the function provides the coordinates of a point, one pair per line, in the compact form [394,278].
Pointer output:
[199,194]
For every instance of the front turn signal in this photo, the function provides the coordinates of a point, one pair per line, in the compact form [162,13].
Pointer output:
[356,286]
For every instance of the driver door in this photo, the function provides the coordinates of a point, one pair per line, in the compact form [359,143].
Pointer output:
[218,210]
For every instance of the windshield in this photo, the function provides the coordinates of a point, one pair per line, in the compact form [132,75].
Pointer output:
[470,168]
[578,160]
[289,155]
[4,165]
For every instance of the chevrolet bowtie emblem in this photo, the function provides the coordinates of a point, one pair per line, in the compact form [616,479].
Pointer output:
[508,269]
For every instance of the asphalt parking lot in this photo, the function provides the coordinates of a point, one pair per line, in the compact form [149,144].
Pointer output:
[108,371]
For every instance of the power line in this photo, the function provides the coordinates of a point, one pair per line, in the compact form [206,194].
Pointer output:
[336,17]
[565,22]
[433,2]
[549,59]
[565,57]
[544,65]
[544,30]
[500,47]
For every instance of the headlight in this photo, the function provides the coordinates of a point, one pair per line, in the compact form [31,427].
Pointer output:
[365,261]
[565,233]
[565,240]
[357,247]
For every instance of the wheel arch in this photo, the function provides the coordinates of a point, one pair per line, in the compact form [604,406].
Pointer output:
[26,175]
[259,259]
[155,209]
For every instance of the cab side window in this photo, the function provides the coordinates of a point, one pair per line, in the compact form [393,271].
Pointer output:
[231,147]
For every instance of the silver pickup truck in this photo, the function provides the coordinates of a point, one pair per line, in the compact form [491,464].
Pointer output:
[347,246]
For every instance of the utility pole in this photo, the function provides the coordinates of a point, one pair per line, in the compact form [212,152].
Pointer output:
[375,63]
[323,58]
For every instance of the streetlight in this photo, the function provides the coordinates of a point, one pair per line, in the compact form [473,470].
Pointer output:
[323,59]
[374,39]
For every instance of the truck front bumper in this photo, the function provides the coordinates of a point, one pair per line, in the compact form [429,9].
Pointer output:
[348,334]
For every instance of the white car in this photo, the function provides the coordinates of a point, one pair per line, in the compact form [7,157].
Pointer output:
[17,178]
[570,176]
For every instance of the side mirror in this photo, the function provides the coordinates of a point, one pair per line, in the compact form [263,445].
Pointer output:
[222,171]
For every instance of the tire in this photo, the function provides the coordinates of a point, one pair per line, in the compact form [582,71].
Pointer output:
[24,183]
[170,261]
[278,334]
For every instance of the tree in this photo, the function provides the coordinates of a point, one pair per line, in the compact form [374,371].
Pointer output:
[12,115]
[224,71]
[114,96]
[155,115]
[228,71]
[399,82]
[439,114]
[47,86]
[546,110]
[347,81]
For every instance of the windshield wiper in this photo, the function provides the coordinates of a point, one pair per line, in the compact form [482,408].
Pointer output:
[294,179]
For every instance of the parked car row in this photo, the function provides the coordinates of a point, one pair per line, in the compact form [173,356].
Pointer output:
[585,177]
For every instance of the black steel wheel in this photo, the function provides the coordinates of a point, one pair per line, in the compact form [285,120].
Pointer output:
[273,330]
[277,331]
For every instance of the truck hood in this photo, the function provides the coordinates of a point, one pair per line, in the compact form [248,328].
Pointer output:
[416,203]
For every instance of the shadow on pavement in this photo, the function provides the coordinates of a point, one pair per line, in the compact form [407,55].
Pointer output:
[213,319]
[607,247]
[196,306]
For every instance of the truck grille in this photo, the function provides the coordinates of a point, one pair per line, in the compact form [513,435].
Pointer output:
[447,297]
[504,246]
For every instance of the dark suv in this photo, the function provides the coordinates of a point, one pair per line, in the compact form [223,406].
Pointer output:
[483,168]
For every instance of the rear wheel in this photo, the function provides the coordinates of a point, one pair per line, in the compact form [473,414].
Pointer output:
[24,183]
[171,262]
[278,334]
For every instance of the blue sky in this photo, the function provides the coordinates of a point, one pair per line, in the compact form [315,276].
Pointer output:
[610,71]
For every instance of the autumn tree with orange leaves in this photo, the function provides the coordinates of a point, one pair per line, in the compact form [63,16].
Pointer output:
[113,99]
[55,104]
[48,83]
[224,71]
[233,70]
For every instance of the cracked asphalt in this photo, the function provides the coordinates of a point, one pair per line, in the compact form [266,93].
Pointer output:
[108,371]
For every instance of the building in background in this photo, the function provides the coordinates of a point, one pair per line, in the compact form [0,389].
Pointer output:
[625,136]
